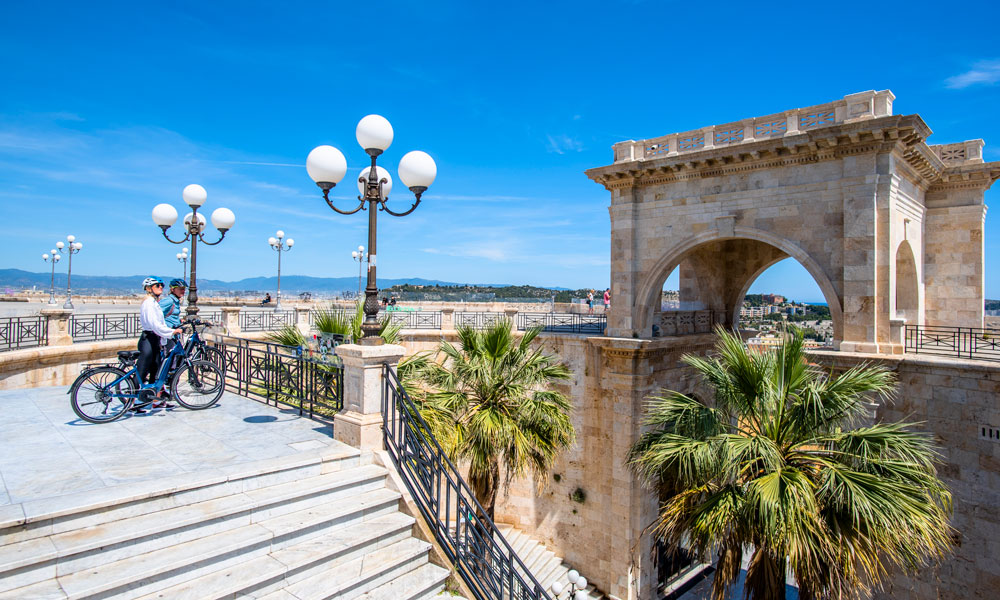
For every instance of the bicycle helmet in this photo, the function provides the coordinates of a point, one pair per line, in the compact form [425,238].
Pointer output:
[175,283]
[151,281]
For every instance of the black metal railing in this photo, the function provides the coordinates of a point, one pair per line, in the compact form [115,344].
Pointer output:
[23,332]
[960,342]
[115,326]
[563,322]
[430,319]
[266,320]
[478,320]
[467,535]
[283,375]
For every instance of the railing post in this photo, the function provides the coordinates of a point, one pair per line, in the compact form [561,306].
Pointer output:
[57,325]
[359,424]
[231,320]
[302,321]
[447,319]
[511,315]
[896,342]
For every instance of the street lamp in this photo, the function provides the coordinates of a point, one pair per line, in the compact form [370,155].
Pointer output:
[577,586]
[73,247]
[53,257]
[165,215]
[182,257]
[327,166]
[359,255]
[279,245]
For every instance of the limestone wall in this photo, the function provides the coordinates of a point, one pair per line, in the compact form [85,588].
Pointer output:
[55,365]
[956,400]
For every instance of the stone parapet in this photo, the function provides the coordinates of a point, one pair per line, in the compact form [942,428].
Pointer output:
[359,424]
[54,365]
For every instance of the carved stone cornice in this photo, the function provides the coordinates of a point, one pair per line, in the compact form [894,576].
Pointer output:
[634,353]
[899,133]
[978,177]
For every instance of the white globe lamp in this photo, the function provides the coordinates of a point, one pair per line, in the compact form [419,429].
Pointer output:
[326,165]
[374,133]
[417,170]
[194,195]
[223,219]
[164,215]
[381,173]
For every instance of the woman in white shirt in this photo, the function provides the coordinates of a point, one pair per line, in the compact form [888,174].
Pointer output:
[154,331]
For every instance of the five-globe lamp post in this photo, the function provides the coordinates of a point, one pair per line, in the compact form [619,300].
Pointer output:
[280,245]
[359,255]
[165,215]
[182,257]
[327,166]
[53,257]
[72,247]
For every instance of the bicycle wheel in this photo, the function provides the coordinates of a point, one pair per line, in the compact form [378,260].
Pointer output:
[96,397]
[197,384]
[211,354]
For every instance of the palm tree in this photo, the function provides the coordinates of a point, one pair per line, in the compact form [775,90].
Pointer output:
[782,467]
[489,403]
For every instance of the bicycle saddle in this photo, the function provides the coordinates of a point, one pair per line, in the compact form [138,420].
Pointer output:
[128,355]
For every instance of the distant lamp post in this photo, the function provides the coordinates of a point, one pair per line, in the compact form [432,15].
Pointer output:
[359,255]
[165,215]
[279,245]
[53,257]
[72,247]
[577,588]
[327,166]
[182,257]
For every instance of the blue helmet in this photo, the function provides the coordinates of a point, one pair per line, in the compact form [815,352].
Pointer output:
[151,281]
[176,283]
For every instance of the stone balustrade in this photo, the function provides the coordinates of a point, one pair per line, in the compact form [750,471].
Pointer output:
[687,322]
[853,107]
[967,152]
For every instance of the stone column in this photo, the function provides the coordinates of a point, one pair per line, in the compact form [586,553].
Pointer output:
[359,424]
[231,320]
[511,315]
[302,321]
[897,329]
[447,319]
[57,322]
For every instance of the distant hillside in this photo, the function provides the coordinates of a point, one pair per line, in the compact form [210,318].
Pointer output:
[16,279]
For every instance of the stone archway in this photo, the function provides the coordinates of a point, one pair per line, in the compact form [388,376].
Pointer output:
[722,267]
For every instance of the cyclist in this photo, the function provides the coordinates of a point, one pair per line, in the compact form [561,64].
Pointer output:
[154,329]
[171,303]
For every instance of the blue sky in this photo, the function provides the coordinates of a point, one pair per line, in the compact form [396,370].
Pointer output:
[107,109]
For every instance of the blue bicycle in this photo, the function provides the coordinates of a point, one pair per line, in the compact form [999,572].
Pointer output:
[105,393]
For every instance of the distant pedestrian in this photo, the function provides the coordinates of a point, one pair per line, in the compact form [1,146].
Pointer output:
[590,302]
[607,299]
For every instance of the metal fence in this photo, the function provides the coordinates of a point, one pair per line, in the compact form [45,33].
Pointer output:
[283,375]
[960,342]
[481,555]
[116,326]
[429,319]
[23,332]
[563,322]
[477,320]
[266,320]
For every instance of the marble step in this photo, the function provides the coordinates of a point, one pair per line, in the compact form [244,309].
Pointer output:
[42,558]
[48,516]
[142,574]
[423,583]
[359,576]
[268,575]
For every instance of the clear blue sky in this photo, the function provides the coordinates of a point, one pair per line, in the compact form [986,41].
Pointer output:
[109,108]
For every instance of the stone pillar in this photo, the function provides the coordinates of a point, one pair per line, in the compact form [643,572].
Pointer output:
[447,319]
[897,329]
[359,424]
[302,321]
[57,323]
[511,315]
[231,320]
[954,274]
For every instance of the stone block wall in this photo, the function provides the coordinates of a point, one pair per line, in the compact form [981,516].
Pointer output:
[956,400]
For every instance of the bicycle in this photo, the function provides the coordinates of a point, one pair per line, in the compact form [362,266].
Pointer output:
[105,393]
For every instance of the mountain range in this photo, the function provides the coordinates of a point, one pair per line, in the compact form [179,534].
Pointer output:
[16,279]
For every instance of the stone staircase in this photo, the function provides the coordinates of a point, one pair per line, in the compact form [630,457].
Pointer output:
[311,526]
[542,562]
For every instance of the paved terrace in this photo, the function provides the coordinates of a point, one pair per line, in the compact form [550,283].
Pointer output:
[46,451]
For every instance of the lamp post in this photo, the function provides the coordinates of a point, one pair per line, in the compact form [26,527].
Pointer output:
[182,257]
[327,166]
[577,586]
[165,215]
[53,257]
[359,255]
[279,245]
[72,247]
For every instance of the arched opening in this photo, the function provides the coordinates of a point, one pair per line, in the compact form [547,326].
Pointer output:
[784,295]
[907,286]
[714,273]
